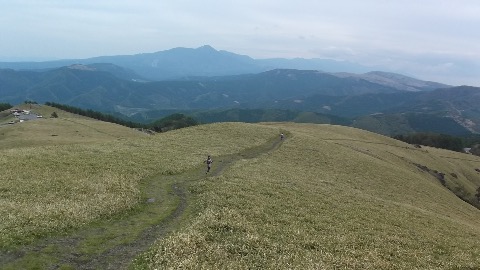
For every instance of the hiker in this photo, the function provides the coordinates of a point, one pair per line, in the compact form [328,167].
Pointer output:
[209,162]
[282,136]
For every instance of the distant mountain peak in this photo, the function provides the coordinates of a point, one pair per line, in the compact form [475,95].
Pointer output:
[206,48]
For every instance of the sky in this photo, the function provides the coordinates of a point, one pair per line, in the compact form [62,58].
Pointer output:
[437,40]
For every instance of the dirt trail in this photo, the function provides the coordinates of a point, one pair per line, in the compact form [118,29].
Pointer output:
[115,243]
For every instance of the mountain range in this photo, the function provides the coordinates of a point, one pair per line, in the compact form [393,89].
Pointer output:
[206,61]
[208,83]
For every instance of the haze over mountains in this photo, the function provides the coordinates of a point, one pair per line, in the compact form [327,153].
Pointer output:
[184,62]
[204,79]
[203,61]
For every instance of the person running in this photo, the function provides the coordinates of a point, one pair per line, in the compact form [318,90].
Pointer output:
[209,162]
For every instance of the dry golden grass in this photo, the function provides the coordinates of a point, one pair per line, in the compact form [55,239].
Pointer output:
[53,188]
[330,198]
[67,129]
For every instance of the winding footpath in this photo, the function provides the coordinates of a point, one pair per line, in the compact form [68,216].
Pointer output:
[116,243]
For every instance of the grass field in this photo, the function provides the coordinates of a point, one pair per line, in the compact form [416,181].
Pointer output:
[53,188]
[328,197]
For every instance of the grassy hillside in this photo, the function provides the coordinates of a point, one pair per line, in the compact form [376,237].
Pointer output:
[328,197]
[331,197]
[51,185]
[66,129]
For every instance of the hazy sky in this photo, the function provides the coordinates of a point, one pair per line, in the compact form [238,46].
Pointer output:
[435,40]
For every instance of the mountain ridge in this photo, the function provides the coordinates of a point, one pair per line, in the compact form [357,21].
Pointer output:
[395,80]
[182,62]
